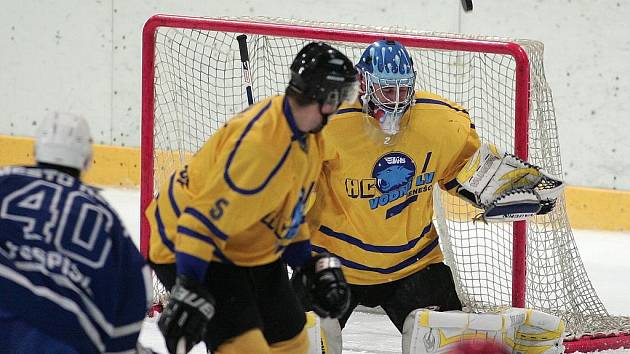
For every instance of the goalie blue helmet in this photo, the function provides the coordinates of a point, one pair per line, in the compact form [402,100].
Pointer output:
[388,83]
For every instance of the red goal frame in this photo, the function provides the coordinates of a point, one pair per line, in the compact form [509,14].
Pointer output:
[521,114]
[320,33]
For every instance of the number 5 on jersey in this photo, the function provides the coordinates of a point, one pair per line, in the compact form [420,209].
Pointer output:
[216,212]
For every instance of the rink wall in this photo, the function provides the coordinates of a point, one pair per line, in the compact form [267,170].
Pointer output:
[111,165]
[84,57]
[588,208]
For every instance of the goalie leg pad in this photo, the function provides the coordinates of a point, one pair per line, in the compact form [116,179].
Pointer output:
[541,333]
[524,331]
[427,331]
[313,329]
[324,334]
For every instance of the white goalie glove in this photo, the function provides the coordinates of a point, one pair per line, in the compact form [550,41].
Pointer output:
[506,187]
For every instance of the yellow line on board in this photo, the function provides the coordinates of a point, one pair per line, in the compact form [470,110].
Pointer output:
[111,165]
[598,209]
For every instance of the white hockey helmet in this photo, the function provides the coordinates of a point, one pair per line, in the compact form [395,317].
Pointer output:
[64,139]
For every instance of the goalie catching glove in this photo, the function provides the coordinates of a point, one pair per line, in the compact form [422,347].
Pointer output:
[506,187]
[324,285]
[186,316]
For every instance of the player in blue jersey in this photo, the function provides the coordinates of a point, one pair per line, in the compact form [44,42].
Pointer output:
[71,279]
[373,209]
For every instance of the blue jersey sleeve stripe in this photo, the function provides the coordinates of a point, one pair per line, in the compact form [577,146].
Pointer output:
[432,101]
[407,262]
[160,226]
[191,266]
[192,233]
[451,184]
[226,174]
[207,223]
[171,197]
[221,256]
[373,248]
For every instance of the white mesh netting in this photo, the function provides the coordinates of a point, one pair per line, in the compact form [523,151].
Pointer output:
[198,84]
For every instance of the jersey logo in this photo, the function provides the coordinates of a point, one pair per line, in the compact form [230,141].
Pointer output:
[392,171]
[394,160]
[394,176]
[286,228]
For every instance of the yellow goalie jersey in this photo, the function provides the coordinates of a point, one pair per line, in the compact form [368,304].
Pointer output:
[241,198]
[374,205]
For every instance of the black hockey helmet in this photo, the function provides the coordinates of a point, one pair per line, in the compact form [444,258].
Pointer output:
[321,73]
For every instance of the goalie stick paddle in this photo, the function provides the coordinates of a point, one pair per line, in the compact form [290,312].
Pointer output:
[467,5]
[242,47]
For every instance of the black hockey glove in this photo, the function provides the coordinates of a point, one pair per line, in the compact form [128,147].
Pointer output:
[187,314]
[325,285]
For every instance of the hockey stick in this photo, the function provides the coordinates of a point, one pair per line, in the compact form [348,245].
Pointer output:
[467,5]
[242,47]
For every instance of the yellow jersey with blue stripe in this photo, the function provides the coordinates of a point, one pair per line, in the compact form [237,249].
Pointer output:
[241,198]
[374,202]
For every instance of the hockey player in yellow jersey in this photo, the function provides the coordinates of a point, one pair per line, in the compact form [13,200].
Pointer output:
[384,155]
[229,220]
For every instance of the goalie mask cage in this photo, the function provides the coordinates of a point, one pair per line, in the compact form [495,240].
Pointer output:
[193,81]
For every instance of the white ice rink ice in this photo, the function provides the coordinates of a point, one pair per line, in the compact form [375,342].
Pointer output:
[606,256]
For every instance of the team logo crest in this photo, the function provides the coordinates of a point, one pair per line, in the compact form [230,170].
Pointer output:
[392,171]
[393,179]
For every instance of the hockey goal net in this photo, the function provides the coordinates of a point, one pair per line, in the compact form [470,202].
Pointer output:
[193,82]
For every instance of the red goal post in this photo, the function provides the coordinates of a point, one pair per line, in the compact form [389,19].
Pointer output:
[502,83]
